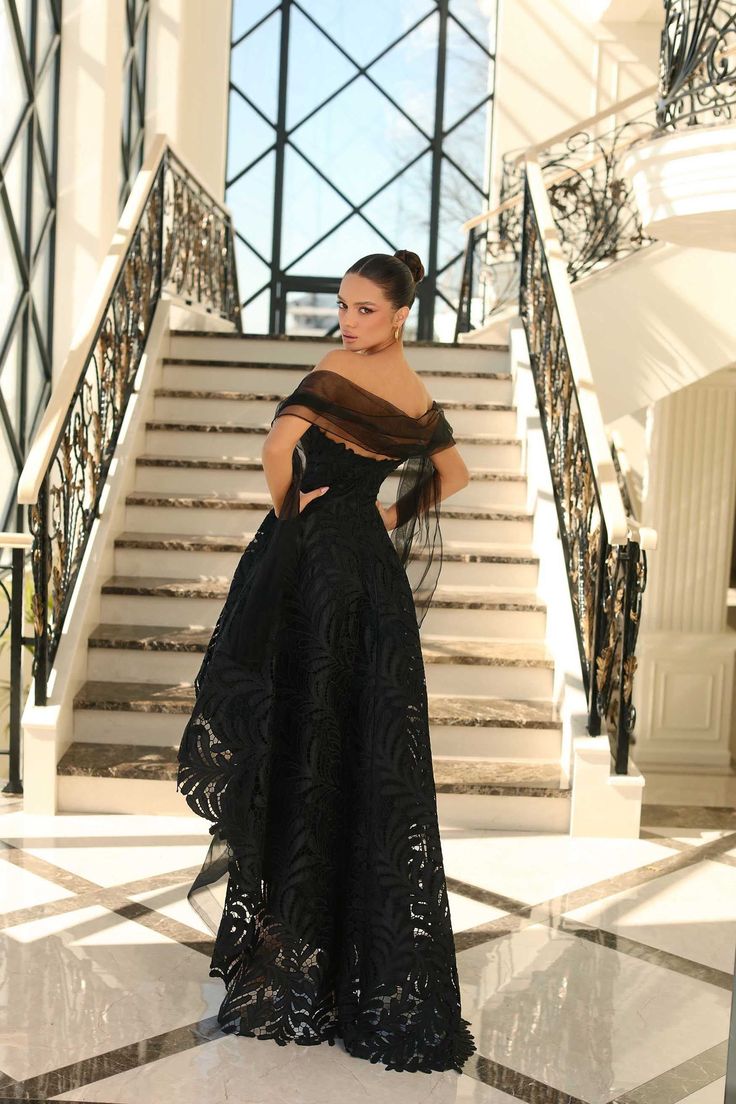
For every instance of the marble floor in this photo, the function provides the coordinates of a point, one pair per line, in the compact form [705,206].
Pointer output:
[592,970]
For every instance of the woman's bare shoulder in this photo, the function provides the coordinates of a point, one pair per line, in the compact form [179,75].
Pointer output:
[343,362]
[399,383]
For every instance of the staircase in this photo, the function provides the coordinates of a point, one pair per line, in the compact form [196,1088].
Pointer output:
[199,495]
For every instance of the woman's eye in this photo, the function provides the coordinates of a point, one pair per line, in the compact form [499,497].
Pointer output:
[366,309]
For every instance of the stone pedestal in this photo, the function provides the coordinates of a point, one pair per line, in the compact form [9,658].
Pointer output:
[684,684]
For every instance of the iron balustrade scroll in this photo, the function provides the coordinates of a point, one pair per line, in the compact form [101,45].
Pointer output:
[606,580]
[697,63]
[181,246]
[592,204]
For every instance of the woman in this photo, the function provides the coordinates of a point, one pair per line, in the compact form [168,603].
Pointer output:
[308,746]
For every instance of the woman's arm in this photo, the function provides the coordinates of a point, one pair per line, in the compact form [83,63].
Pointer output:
[453,476]
[276,454]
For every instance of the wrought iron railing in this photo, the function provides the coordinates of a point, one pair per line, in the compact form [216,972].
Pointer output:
[592,204]
[605,561]
[697,63]
[179,244]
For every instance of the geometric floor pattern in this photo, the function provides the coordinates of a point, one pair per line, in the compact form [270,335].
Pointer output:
[592,970]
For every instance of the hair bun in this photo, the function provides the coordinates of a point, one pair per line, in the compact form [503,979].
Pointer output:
[412,262]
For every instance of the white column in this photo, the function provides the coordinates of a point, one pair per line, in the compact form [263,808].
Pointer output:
[90,113]
[187,83]
[684,683]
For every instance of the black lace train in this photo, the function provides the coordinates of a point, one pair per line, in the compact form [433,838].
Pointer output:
[308,748]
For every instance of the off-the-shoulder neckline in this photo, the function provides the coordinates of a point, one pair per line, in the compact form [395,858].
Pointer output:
[380,398]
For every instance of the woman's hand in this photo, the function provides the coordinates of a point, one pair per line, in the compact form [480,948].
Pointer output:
[388,513]
[305,497]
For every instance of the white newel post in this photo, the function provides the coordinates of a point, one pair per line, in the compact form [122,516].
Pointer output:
[684,684]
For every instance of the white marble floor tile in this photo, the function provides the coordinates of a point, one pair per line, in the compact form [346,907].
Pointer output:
[533,868]
[689,912]
[84,982]
[252,1071]
[710,1094]
[466,913]
[172,902]
[110,849]
[21,888]
[583,1018]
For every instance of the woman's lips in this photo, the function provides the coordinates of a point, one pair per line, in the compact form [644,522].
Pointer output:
[349,337]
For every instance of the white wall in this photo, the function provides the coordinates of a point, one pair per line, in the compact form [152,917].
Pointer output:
[90,112]
[560,61]
[188,67]
[186,97]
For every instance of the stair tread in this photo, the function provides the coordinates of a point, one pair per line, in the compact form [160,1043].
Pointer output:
[176,425]
[435,648]
[258,499]
[253,463]
[331,342]
[484,776]
[218,586]
[273,396]
[477,776]
[464,711]
[471,551]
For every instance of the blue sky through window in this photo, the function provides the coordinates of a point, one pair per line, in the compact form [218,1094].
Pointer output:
[358,140]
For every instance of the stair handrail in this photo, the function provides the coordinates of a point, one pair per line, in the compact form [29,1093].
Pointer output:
[604,548]
[555,139]
[174,240]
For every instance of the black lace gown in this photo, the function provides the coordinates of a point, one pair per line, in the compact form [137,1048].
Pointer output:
[308,749]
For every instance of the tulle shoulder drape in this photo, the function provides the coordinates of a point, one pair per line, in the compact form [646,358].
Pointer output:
[358,416]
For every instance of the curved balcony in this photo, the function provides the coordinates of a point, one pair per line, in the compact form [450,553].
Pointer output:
[684,183]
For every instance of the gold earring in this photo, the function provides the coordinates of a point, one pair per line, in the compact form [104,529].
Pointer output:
[396,334]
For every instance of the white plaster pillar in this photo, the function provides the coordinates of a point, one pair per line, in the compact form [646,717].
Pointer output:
[187,83]
[90,113]
[684,684]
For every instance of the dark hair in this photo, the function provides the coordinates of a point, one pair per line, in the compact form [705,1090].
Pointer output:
[396,275]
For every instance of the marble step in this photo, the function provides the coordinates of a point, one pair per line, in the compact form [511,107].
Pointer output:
[189,602]
[100,760]
[268,383]
[103,778]
[198,437]
[461,726]
[157,653]
[422,356]
[242,477]
[230,515]
[464,564]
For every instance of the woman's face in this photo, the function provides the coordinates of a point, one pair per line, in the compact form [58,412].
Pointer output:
[365,314]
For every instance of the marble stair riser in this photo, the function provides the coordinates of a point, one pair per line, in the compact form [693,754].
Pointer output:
[277,380]
[186,564]
[466,623]
[119,726]
[218,444]
[115,726]
[142,796]
[200,405]
[439,358]
[485,742]
[153,666]
[203,520]
[482,624]
[169,477]
[518,812]
[446,388]
[80,794]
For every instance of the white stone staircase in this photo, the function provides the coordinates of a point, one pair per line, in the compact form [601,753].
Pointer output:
[199,495]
